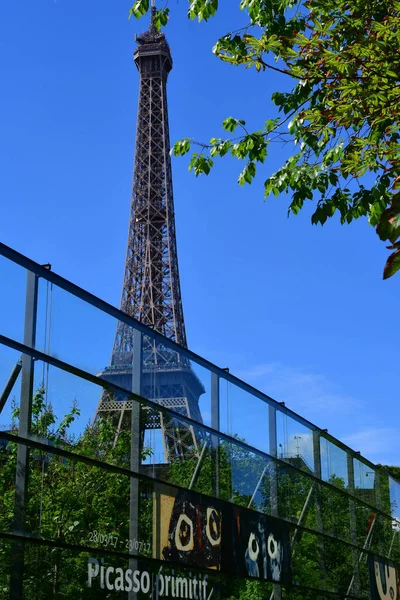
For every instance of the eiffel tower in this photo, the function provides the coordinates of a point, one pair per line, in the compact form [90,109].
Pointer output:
[151,289]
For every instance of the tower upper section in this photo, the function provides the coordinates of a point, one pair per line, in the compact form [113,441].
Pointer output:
[152,54]
[151,290]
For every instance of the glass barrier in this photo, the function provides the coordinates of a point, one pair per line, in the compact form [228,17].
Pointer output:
[169,378]
[8,463]
[333,464]
[98,343]
[295,442]
[394,549]
[243,415]
[394,491]
[364,482]
[79,333]
[12,303]
[90,420]
[203,375]
[296,497]
[383,500]
[72,502]
[10,385]
[6,555]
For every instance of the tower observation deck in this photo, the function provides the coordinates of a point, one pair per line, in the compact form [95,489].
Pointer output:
[151,290]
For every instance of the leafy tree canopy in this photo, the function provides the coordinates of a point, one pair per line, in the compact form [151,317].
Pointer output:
[341,115]
[393,471]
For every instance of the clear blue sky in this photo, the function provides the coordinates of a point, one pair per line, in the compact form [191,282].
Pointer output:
[299,311]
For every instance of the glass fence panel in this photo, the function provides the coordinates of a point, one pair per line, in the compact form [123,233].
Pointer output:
[56,572]
[364,482]
[203,375]
[364,584]
[381,535]
[217,467]
[8,463]
[248,484]
[296,497]
[363,524]
[72,502]
[232,588]
[171,379]
[394,491]
[383,491]
[295,442]
[10,385]
[196,470]
[76,332]
[6,567]
[79,416]
[12,300]
[333,464]
[333,512]
[175,451]
[338,564]
[306,594]
[394,550]
[243,415]
[307,561]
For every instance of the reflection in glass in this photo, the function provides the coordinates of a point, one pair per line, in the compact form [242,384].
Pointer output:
[12,299]
[333,464]
[10,385]
[394,490]
[243,415]
[295,442]
[78,333]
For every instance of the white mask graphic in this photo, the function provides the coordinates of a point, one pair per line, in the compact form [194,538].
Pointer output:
[386,580]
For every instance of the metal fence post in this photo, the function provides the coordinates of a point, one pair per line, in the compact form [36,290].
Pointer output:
[318,497]
[134,492]
[22,471]
[353,525]
[273,451]
[215,424]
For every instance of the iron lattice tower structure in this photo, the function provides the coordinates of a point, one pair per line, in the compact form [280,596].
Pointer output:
[151,289]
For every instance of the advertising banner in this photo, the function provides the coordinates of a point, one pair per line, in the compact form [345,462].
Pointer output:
[194,530]
[257,545]
[385,579]
[186,528]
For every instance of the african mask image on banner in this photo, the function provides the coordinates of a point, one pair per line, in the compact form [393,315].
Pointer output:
[385,581]
[260,546]
[187,529]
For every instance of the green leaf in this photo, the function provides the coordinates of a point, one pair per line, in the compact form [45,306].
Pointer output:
[202,9]
[230,124]
[389,223]
[200,164]
[139,8]
[161,18]
[246,176]
[392,265]
[181,147]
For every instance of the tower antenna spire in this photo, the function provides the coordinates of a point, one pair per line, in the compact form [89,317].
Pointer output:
[152,12]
